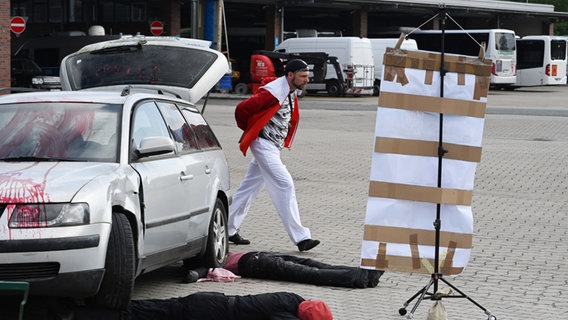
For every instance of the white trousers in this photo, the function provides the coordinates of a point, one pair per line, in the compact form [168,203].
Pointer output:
[266,168]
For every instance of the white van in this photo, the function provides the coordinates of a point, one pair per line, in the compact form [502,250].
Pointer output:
[355,56]
[379,46]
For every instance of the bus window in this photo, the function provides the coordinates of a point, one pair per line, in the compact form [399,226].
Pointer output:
[558,50]
[505,41]
[500,48]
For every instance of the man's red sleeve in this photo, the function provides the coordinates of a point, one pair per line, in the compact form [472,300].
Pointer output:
[246,109]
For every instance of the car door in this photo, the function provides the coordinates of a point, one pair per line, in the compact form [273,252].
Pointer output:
[196,179]
[163,186]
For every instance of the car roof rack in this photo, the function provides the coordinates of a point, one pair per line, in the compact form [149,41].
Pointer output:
[127,89]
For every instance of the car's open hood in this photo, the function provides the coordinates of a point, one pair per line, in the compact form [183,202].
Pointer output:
[186,67]
[43,182]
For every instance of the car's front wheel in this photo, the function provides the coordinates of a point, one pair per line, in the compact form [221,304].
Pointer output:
[118,282]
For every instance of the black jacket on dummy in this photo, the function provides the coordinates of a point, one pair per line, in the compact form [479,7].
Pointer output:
[205,306]
[281,267]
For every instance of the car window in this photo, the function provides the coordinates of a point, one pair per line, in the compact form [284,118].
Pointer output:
[62,131]
[147,122]
[183,135]
[205,137]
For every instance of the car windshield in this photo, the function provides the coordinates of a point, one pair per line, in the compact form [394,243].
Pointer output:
[61,131]
[139,64]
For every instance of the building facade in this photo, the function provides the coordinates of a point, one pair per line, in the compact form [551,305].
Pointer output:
[239,27]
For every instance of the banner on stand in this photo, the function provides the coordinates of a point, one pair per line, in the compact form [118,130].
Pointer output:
[403,190]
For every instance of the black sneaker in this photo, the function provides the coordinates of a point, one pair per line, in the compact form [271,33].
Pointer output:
[191,276]
[237,239]
[374,276]
[307,244]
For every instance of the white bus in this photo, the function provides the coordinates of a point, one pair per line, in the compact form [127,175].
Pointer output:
[541,61]
[500,48]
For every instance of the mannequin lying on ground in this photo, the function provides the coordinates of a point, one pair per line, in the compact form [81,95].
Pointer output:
[209,306]
[281,267]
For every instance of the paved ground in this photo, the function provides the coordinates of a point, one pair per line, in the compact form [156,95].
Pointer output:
[518,268]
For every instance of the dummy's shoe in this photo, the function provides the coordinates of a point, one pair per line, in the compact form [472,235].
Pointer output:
[191,276]
[374,276]
[307,244]
[237,239]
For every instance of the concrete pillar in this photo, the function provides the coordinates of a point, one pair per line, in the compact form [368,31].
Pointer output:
[219,26]
[173,24]
[5,50]
[359,19]
[274,30]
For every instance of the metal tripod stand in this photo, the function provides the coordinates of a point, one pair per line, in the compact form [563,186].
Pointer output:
[437,275]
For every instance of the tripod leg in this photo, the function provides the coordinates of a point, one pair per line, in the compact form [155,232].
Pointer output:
[422,293]
[463,295]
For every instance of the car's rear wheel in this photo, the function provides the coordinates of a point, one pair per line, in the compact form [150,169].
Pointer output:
[118,282]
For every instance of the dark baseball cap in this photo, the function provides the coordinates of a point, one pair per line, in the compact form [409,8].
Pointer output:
[296,65]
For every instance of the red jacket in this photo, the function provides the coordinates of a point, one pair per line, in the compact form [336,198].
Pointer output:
[255,112]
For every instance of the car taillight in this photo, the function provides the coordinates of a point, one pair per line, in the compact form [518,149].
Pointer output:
[493,70]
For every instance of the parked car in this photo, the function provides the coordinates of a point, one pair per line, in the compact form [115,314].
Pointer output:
[27,74]
[98,187]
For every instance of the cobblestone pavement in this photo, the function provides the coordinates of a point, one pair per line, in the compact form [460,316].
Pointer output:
[518,266]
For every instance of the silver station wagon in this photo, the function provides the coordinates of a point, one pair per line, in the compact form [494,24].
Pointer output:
[117,175]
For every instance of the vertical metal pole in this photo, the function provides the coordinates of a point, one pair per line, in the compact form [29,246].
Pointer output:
[441,152]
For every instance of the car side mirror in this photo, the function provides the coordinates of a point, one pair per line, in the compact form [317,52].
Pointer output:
[152,146]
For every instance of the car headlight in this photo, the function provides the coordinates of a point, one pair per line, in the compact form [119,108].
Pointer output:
[49,215]
[37,80]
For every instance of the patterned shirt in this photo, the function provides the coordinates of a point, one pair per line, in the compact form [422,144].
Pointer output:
[277,128]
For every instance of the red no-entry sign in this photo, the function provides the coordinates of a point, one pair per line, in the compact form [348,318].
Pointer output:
[156,27]
[17,24]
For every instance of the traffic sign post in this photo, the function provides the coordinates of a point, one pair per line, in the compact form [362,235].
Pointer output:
[17,25]
[156,28]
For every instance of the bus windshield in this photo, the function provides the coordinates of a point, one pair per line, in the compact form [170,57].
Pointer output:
[504,41]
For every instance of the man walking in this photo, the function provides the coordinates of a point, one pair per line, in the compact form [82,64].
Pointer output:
[269,120]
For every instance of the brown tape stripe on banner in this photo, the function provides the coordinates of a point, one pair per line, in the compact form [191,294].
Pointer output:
[381,261]
[427,149]
[432,61]
[420,193]
[481,87]
[424,237]
[449,259]
[413,240]
[432,104]
[404,264]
